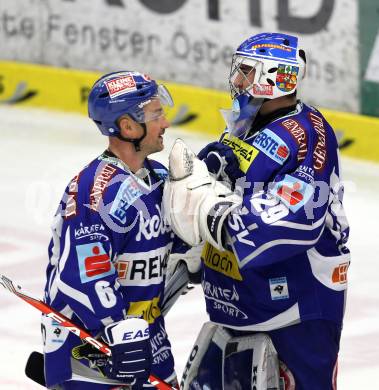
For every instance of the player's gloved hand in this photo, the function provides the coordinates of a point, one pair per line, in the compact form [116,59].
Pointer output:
[221,161]
[131,358]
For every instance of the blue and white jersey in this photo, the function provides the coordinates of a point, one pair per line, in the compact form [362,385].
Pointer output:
[108,255]
[286,258]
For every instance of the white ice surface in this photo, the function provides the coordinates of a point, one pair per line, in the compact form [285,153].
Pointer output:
[41,151]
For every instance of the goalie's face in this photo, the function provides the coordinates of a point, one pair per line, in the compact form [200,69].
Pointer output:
[242,79]
[245,77]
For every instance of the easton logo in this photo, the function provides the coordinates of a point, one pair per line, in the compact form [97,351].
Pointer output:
[139,334]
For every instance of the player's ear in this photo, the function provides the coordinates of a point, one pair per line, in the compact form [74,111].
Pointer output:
[124,122]
[127,126]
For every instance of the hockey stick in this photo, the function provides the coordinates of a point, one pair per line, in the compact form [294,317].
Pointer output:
[67,323]
[176,286]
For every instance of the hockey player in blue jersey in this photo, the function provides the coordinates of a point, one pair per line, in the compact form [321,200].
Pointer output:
[110,245]
[267,200]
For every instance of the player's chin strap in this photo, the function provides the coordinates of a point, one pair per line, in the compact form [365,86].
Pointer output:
[135,141]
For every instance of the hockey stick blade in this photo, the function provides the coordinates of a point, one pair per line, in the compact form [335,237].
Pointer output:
[67,323]
[34,369]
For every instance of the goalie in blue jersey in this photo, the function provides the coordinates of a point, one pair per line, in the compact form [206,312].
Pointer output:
[267,200]
[110,245]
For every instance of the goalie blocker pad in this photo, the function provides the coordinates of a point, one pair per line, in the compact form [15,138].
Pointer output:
[212,220]
[219,360]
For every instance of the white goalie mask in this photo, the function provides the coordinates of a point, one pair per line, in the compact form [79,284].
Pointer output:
[268,66]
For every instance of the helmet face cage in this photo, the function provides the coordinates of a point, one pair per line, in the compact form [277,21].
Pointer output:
[277,64]
[242,68]
[124,93]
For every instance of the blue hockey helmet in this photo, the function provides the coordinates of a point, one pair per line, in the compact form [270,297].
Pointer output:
[278,63]
[123,93]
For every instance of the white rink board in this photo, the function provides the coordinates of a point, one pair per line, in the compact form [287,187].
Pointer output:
[186,41]
[41,151]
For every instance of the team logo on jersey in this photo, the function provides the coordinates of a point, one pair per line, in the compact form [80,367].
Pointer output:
[286,77]
[293,192]
[279,288]
[148,310]
[244,152]
[57,332]
[127,194]
[272,146]
[54,335]
[224,262]
[120,86]
[94,263]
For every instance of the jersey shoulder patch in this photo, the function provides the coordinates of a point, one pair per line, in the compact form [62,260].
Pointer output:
[272,145]
[244,152]
[128,192]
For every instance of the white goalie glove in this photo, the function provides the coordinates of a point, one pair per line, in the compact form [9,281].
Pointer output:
[196,204]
